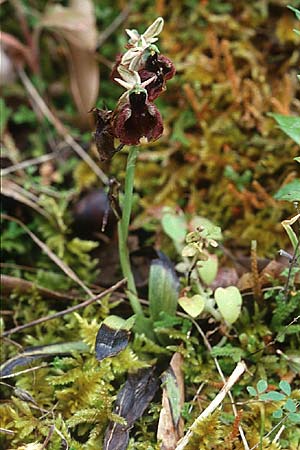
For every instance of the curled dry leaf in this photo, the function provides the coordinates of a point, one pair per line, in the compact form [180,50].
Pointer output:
[76,24]
[170,425]
[132,401]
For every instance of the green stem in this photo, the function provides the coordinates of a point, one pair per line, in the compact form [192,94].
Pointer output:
[123,226]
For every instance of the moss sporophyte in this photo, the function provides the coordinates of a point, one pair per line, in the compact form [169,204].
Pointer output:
[143,71]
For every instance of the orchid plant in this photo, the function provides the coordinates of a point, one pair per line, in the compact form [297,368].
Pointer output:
[143,72]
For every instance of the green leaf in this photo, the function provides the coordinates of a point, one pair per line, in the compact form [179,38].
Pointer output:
[295,10]
[208,269]
[192,306]
[290,405]
[173,394]
[272,396]
[251,391]
[261,386]
[289,192]
[287,225]
[297,159]
[277,414]
[117,323]
[294,417]
[229,301]
[174,225]
[285,387]
[211,231]
[163,288]
[290,125]
[189,250]
[228,351]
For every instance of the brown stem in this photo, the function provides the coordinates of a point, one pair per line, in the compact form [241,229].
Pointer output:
[65,311]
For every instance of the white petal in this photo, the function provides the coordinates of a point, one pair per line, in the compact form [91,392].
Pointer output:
[137,78]
[146,82]
[154,29]
[129,55]
[127,75]
[133,34]
[135,63]
[123,83]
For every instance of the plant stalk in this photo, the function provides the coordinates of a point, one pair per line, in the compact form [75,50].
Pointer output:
[123,226]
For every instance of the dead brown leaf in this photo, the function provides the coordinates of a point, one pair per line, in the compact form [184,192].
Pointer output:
[76,25]
[170,430]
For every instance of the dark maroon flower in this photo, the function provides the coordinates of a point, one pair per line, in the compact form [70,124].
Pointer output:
[137,119]
[155,64]
[160,65]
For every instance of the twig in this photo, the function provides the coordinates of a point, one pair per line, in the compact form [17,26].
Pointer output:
[63,266]
[65,311]
[278,434]
[60,127]
[238,371]
[270,432]
[21,372]
[114,25]
[234,409]
[10,284]
[46,441]
[66,445]
[13,190]
[6,431]
[27,163]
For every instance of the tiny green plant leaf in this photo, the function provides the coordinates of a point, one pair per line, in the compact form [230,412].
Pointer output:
[285,387]
[261,386]
[173,393]
[252,391]
[295,10]
[290,405]
[287,225]
[192,306]
[277,414]
[289,125]
[273,396]
[208,269]
[229,301]
[294,417]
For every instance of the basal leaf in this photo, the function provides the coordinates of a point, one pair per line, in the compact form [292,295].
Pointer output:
[163,288]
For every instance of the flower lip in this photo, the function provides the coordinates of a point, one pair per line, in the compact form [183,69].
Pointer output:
[137,120]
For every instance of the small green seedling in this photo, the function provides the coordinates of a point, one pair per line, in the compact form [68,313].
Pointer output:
[288,406]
